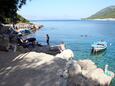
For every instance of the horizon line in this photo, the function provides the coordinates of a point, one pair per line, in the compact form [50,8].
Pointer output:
[53,19]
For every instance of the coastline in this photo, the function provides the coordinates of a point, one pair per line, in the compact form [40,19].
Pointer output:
[33,68]
[105,19]
[34,64]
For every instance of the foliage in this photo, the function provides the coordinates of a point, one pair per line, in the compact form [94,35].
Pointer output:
[8,9]
[19,18]
[22,19]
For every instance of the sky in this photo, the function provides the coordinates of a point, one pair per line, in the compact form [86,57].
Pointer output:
[62,9]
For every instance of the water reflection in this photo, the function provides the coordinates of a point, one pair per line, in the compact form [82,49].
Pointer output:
[99,54]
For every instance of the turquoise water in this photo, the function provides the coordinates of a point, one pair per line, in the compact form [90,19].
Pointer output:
[79,35]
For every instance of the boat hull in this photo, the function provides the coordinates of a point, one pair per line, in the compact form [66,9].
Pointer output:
[98,49]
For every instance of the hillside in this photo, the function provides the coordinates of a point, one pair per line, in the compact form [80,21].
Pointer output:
[108,12]
[19,18]
[22,19]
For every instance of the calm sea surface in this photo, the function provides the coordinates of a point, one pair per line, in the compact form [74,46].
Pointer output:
[79,35]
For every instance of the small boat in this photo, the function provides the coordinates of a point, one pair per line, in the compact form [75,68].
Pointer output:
[99,46]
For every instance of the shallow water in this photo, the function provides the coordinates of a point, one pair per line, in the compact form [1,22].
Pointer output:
[79,35]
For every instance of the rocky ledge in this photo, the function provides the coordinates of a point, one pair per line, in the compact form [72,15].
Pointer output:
[40,69]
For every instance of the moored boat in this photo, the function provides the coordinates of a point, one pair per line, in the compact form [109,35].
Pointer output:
[99,46]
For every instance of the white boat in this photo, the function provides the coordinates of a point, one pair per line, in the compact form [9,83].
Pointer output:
[99,46]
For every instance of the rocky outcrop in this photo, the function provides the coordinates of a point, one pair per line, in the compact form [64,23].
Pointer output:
[4,43]
[66,54]
[99,75]
[86,73]
[83,72]
[33,69]
[40,69]
[74,69]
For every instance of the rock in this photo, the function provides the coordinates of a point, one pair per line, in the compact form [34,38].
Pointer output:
[80,80]
[99,76]
[32,69]
[4,29]
[84,72]
[66,54]
[4,43]
[87,64]
[74,69]
[21,49]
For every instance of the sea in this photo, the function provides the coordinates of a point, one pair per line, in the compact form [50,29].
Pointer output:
[79,35]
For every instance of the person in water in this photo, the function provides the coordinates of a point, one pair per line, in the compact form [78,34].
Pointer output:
[62,47]
[47,39]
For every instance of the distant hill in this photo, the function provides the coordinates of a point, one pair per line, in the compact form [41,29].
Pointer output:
[108,12]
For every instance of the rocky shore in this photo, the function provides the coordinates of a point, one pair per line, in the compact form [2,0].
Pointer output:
[40,69]
[46,66]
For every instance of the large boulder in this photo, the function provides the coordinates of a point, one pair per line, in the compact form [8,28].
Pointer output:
[74,69]
[80,80]
[66,54]
[87,64]
[99,76]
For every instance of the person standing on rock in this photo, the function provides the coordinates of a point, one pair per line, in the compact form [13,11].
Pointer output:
[47,39]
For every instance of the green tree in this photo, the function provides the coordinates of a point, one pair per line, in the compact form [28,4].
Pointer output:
[8,9]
